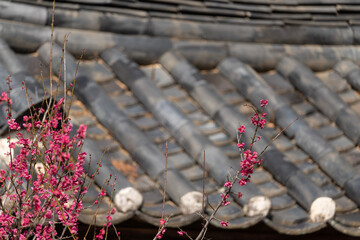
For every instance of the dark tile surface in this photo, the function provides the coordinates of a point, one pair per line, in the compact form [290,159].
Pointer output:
[304,108]
[205,33]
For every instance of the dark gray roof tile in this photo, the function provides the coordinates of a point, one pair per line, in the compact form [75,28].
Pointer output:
[173,147]
[319,178]
[307,167]
[356,107]
[353,79]
[347,120]
[290,216]
[232,211]
[146,123]
[152,197]
[221,104]
[210,185]
[333,81]
[180,160]
[156,210]
[241,222]
[211,11]
[186,106]
[352,157]
[292,98]
[158,135]
[316,120]
[324,99]
[271,189]
[260,176]
[345,229]
[233,98]
[269,132]
[112,88]
[195,85]
[349,219]
[332,191]
[323,23]
[342,144]
[23,12]
[174,93]
[135,111]
[281,16]
[96,132]
[345,67]
[329,132]
[350,97]
[231,150]
[219,82]
[344,204]
[209,128]
[193,173]
[243,7]
[198,118]
[99,71]
[144,183]
[125,99]
[283,143]
[174,221]
[297,229]
[296,156]
[277,82]
[88,121]
[220,139]
[118,156]
[304,9]
[249,21]
[158,75]
[281,202]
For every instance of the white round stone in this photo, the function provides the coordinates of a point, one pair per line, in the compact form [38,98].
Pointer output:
[259,205]
[191,202]
[128,199]
[322,209]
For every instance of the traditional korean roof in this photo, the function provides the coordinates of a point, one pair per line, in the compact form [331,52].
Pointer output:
[179,75]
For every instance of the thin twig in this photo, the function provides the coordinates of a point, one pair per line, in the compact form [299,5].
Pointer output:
[165,180]
[277,135]
[203,190]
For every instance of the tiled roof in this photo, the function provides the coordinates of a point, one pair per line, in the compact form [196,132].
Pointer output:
[180,72]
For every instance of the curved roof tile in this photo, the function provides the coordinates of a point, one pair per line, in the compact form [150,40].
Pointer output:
[189,45]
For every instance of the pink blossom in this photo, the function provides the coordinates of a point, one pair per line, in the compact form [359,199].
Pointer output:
[108,218]
[240,145]
[228,184]
[225,203]
[242,129]
[13,125]
[102,193]
[263,102]
[224,223]
[81,131]
[181,233]
[101,234]
[239,195]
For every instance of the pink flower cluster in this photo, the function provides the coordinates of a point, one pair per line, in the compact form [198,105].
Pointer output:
[224,198]
[162,232]
[259,119]
[49,194]
[248,157]
[181,233]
